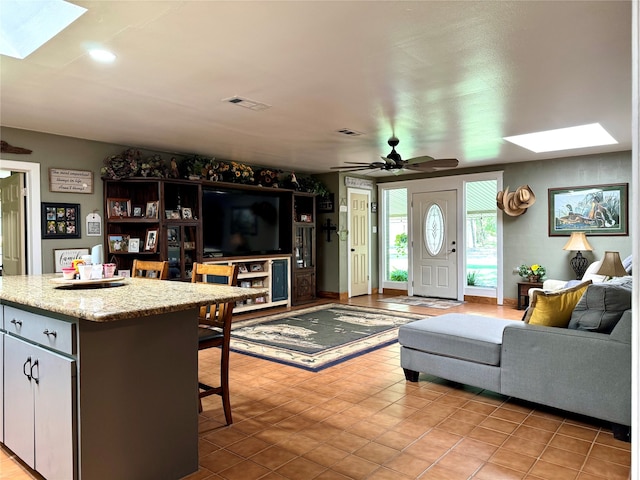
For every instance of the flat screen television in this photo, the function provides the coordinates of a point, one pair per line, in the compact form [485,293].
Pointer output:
[245,222]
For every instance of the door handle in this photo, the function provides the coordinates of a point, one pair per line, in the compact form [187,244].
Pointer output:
[35,364]
[24,368]
[353,249]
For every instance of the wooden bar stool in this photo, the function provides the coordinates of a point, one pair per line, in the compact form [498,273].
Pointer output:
[214,329]
[150,269]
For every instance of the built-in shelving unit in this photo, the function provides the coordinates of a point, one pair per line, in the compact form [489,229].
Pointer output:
[156,219]
[271,273]
[166,218]
[304,248]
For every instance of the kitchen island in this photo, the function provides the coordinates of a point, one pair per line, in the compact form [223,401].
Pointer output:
[100,381]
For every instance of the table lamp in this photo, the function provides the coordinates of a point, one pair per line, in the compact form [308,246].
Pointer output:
[612,265]
[578,242]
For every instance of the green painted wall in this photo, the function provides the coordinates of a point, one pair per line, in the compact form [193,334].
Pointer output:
[525,237]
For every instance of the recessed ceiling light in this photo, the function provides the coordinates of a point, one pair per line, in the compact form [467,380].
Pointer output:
[104,56]
[27,25]
[591,135]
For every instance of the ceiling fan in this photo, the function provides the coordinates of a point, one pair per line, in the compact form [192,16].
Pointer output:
[394,163]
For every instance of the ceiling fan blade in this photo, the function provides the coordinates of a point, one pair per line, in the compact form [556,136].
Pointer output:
[422,159]
[351,169]
[357,163]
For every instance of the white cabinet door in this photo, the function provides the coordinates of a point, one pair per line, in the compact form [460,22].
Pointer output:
[1,383]
[55,424]
[39,408]
[18,400]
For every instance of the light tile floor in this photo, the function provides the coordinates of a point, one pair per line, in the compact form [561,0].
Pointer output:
[362,420]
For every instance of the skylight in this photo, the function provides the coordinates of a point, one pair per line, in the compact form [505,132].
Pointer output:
[591,135]
[27,25]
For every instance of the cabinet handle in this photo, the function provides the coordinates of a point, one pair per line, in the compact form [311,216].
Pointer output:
[52,332]
[35,364]
[24,368]
[17,322]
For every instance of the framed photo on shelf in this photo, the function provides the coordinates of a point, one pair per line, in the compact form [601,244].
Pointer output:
[118,243]
[242,268]
[137,211]
[592,209]
[151,240]
[152,209]
[172,214]
[186,213]
[60,220]
[118,207]
[256,267]
[134,245]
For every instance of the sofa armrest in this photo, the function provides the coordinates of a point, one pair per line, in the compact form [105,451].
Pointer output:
[583,372]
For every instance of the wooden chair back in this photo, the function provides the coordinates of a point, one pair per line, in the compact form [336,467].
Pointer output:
[150,269]
[221,274]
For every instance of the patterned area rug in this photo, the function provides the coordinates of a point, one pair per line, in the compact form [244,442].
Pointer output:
[318,337]
[423,302]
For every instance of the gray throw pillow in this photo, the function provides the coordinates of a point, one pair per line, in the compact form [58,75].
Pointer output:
[600,307]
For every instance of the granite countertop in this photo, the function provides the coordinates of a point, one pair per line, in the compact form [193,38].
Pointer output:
[135,297]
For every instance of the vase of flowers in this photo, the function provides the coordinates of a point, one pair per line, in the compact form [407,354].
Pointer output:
[533,273]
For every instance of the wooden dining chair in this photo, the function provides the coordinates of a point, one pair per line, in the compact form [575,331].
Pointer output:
[150,269]
[214,329]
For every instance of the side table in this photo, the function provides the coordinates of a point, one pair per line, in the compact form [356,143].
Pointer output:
[523,293]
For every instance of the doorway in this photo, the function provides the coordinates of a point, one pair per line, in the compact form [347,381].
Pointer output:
[31,170]
[359,242]
[435,250]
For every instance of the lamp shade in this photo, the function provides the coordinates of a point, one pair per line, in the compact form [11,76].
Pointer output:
[578,242]
[612,265]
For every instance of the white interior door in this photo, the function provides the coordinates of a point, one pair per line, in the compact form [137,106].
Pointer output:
[359,283]
[434,244]
[13,221]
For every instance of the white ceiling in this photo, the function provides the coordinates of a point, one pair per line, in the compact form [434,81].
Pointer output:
[449,78]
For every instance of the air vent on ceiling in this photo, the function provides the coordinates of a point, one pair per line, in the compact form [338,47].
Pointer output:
[349,132]
[246,103]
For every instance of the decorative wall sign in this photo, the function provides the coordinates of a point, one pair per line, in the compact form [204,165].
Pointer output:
[358,183]
[62,258]
[592,209]
[94,225]
[70,181]
[60,220]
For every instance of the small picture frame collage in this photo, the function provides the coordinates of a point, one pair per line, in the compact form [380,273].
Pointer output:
[122,208]
[60,220]
[185,213]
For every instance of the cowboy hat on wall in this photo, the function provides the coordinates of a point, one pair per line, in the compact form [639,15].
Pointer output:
[515,203]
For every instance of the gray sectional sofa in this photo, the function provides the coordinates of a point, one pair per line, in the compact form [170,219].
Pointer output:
[584,368]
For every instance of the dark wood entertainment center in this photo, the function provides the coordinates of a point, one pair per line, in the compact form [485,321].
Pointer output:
[165,218]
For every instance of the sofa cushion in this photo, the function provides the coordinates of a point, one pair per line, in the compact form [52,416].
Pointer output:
[467,337]
[601,307]
[553,309]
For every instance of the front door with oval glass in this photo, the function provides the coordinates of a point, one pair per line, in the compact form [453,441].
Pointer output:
[434,244]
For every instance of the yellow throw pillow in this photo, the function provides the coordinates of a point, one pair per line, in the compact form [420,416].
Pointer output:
[553,309]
